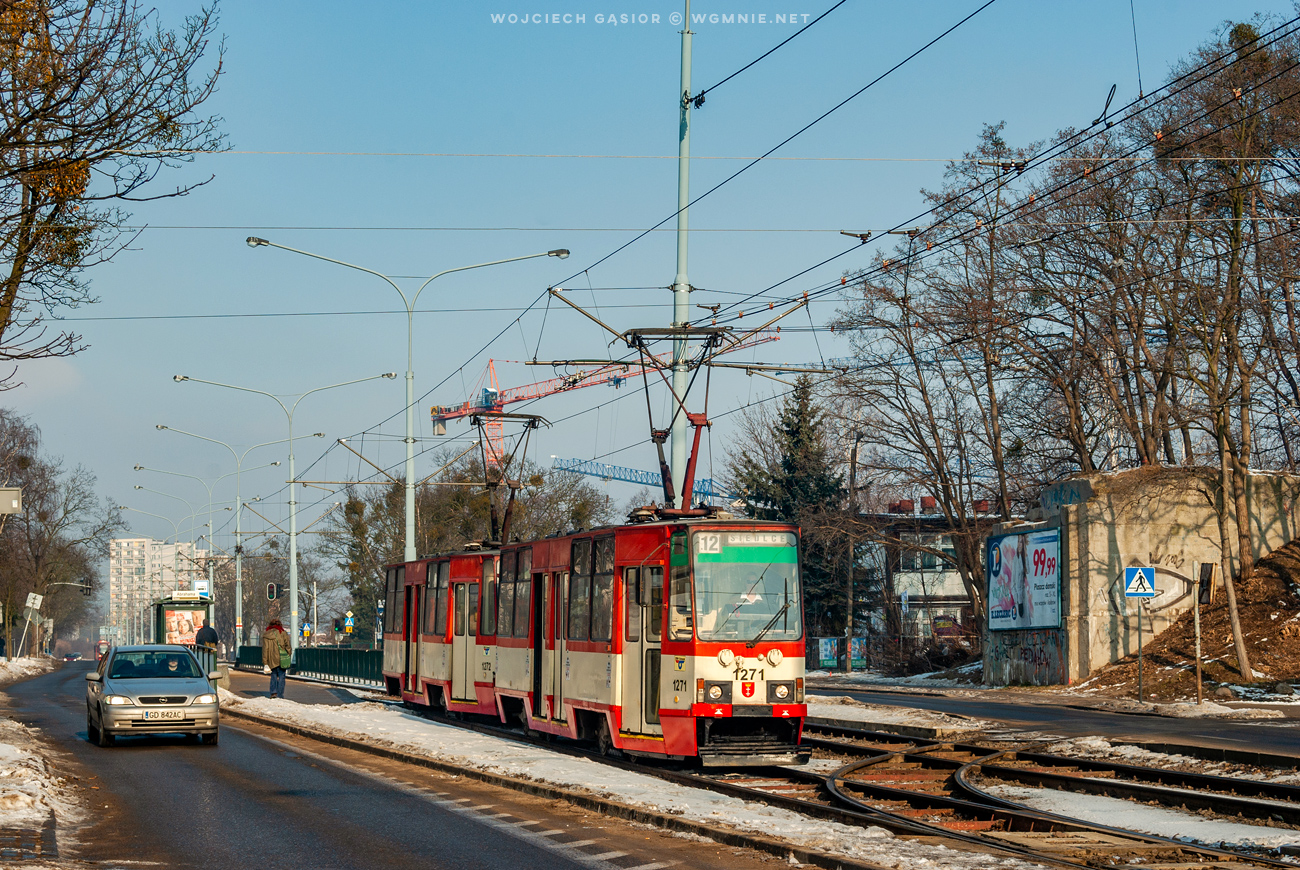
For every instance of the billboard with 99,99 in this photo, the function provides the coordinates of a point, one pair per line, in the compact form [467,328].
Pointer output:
[1024,580]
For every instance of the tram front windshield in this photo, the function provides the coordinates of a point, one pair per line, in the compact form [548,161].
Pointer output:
[747,586]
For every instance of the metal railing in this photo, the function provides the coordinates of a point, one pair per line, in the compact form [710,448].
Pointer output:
[206,655]
[361,666]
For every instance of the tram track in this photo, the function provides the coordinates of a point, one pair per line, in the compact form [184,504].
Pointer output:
[932,791]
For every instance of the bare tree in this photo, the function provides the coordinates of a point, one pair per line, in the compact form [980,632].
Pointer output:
[96,99]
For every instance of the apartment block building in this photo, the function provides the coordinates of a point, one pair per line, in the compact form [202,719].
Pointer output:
[140,571]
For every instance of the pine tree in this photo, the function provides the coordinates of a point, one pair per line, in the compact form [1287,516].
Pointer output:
[801,487]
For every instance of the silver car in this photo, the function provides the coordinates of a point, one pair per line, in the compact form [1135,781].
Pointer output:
[150,689]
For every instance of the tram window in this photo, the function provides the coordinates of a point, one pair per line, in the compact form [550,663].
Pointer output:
[506,595]
[602,607]
[655,577]
[473,609]
[579,606]
[605,555]
[460,610]
[679,545]
[440,604]
[632,609]
[429,620]
[582,557]
[523,600]
[488,612]
[679,604]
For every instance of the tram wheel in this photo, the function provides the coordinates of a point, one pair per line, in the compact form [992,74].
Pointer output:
[604,742]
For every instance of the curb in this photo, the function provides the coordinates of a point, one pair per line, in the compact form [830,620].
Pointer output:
[769,845]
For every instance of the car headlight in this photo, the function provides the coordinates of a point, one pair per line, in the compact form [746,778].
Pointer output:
[116,700]
[206,699]
[715,692]
[782,692]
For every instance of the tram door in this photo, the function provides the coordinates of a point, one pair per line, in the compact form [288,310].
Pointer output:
[462,644]
[642,615]
[559,624]
[411,633]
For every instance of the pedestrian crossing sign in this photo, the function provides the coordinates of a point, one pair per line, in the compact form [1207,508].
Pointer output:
[1139,582]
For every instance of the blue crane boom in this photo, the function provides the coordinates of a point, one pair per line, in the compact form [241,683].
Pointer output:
[704,488]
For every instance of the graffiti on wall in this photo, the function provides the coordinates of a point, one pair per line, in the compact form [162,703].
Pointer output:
[1035,658]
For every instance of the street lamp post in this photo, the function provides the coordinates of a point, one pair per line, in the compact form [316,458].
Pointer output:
[293,504]
[239,513]
[561,253]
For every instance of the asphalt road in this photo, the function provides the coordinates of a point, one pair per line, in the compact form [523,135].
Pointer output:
[266,800]
[1281,736]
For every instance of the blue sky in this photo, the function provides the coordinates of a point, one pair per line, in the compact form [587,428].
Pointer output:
[341,117]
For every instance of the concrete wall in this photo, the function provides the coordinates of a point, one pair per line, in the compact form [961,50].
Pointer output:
[1162,517]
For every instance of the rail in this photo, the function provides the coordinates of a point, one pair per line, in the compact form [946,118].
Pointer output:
[359,666]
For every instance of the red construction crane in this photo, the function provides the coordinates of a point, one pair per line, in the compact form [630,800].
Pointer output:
[488,396]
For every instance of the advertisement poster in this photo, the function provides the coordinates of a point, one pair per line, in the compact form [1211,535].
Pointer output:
[1024,580]
[182,624]
[829,651]
[859,652]
[946,626]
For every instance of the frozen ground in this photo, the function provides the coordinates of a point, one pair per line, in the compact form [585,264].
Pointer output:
[840,707]
[29,790]
[22,668]
[383,725]
[1161,821]
[932,680]
[1100,747]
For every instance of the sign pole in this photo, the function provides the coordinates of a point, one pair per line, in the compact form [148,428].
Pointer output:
[1139,651]
[1196,621]
[1139,583]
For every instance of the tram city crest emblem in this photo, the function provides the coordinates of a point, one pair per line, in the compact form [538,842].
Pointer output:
[747,689]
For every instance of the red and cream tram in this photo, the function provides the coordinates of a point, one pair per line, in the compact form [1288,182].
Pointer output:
[677,638]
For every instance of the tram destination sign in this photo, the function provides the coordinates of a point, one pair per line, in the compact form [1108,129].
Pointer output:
[1024,580]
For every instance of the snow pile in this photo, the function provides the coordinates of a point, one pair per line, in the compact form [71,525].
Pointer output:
[1208,710]
[29,790]
[382,725]
[1160,821]
[931,680]
[841,707]
[13,670]
[1100,747]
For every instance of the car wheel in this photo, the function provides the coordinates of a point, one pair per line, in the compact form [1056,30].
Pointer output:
[102,737]
[92,733]
[209,739]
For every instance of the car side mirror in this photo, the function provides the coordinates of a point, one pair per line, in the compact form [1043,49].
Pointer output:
[93,677]
[214,675]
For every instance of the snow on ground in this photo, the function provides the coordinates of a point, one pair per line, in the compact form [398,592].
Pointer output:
[29,789]
[1188,710]
[1100,747]
[383,725]
[842,707]
[1161,821]
[12,670]
[931,680]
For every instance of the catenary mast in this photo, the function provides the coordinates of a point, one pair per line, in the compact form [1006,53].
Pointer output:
[681,284]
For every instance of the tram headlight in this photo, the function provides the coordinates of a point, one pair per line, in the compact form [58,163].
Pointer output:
[718,692]
[715,692]
[781,692]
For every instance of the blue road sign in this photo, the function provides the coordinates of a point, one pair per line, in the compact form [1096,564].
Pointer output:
[1139,582]
[348,623]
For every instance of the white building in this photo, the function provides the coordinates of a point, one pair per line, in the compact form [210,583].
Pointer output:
[141,571]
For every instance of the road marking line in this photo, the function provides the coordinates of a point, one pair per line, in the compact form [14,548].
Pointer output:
[499,815]
[577,843]
[482,807]
[606,856]
[657,865]
[550,833]
[526,824]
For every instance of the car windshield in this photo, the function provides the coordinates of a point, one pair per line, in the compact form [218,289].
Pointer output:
[153,664]
[747,585]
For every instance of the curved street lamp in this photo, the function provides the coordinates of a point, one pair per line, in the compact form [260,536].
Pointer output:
[293,503]
[239,459]
[560,253]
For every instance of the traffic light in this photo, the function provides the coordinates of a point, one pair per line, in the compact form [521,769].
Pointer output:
[270,591]
[338,626]
[85,589]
